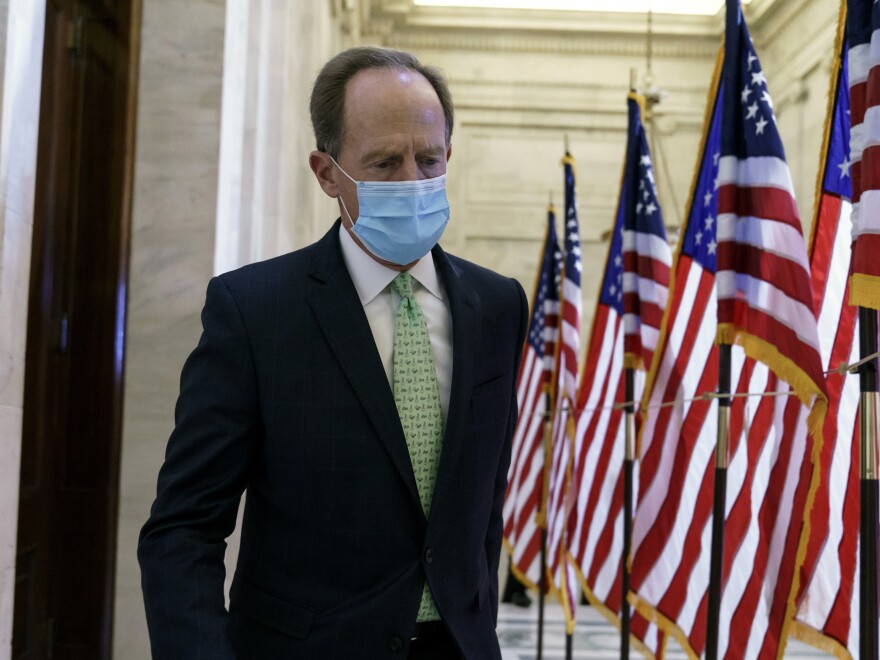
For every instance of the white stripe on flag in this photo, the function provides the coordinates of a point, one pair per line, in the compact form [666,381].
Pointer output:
[762,295]
[774,237]
[756,171]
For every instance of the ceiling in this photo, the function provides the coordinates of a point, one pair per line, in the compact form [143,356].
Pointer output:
[680,7]
[673,19]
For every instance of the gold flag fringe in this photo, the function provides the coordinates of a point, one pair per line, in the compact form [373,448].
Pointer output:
[633,361]
[611,616]
[864,290]
[804,388]
[819,640]
[653,615]
[791,626]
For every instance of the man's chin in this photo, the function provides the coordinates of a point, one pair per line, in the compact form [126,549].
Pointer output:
[387,264]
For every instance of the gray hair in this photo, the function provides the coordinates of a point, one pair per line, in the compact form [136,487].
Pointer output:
[327,105]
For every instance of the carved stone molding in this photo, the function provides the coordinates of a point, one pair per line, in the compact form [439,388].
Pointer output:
[404,24]
[525,42]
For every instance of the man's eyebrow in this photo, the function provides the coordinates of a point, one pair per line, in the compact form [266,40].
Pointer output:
[384,153]
[435,150]
[379,154]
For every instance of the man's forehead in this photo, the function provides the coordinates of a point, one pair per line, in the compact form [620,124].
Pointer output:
[389,90]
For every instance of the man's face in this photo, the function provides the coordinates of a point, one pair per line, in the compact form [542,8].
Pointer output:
[394,130]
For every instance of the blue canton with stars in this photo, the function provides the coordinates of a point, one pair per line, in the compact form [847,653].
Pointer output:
[838,179]
[746,96]
[641,208]
[572,232]
[612,282]
[699,236]
[548,285]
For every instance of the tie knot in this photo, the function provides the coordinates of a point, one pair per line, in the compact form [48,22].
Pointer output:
[403,285]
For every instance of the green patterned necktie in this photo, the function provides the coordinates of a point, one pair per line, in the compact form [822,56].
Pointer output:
[418,403]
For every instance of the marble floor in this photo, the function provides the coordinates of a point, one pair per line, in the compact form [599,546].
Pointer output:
[594,638]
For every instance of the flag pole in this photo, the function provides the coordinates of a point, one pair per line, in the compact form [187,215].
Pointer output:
[868,485]
[722,441]
[542,583]
[629,451]
[722,457]
[568,635]
[628,454]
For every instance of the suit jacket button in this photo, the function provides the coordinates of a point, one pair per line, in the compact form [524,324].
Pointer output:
[395,643]
[429,555]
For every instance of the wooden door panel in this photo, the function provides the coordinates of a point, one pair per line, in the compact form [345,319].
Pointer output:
[73,389]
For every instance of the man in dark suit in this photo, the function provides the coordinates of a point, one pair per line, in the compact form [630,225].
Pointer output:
[362,390]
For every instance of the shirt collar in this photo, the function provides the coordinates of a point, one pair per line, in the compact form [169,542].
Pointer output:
[370,277]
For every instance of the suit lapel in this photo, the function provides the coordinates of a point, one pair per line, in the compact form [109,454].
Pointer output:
[340,315]
[464,306]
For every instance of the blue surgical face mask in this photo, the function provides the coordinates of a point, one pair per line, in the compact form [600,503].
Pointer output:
[400,221]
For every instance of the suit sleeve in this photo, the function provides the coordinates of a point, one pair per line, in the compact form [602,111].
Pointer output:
[496,523]
[182,545]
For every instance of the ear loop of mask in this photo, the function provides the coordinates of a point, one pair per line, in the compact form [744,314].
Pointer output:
[342,201]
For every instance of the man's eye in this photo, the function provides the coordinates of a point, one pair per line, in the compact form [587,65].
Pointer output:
[383,164]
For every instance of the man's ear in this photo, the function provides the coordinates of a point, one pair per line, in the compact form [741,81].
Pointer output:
[323,167]
[448,152]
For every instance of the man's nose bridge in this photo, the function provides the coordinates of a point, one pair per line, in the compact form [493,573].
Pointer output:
[410,169]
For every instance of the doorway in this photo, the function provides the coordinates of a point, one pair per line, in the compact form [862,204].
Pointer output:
[76,332]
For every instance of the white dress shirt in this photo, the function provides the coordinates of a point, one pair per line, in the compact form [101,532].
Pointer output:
[372,281]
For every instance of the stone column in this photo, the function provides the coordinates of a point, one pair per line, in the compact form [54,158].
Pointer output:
[268,201]
[172,258]
[21,57]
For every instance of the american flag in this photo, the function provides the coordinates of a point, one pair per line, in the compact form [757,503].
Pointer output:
[828,602]
[595,525]
[559,497]
[765,299]
[770,472]
[525,483]
[863,27]
[646,254]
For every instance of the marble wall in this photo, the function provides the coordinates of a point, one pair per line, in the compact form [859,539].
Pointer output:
[172,255]
[21,38]
[268,202]
[796,46]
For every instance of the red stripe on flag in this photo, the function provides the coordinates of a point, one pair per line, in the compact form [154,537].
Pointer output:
[788,565]
[823,245]
[872,91]
[602,464]
[649,313]
[858,94]
[839,618]
[650,461]
[606,538]
[759,202]
[653,269]
[784,274]
[866,255]
[597,336]
[674,598]
[688,437]
[870,176]
[768,329]
[646,267]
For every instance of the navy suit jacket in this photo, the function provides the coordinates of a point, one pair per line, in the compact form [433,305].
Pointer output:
[285,396]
